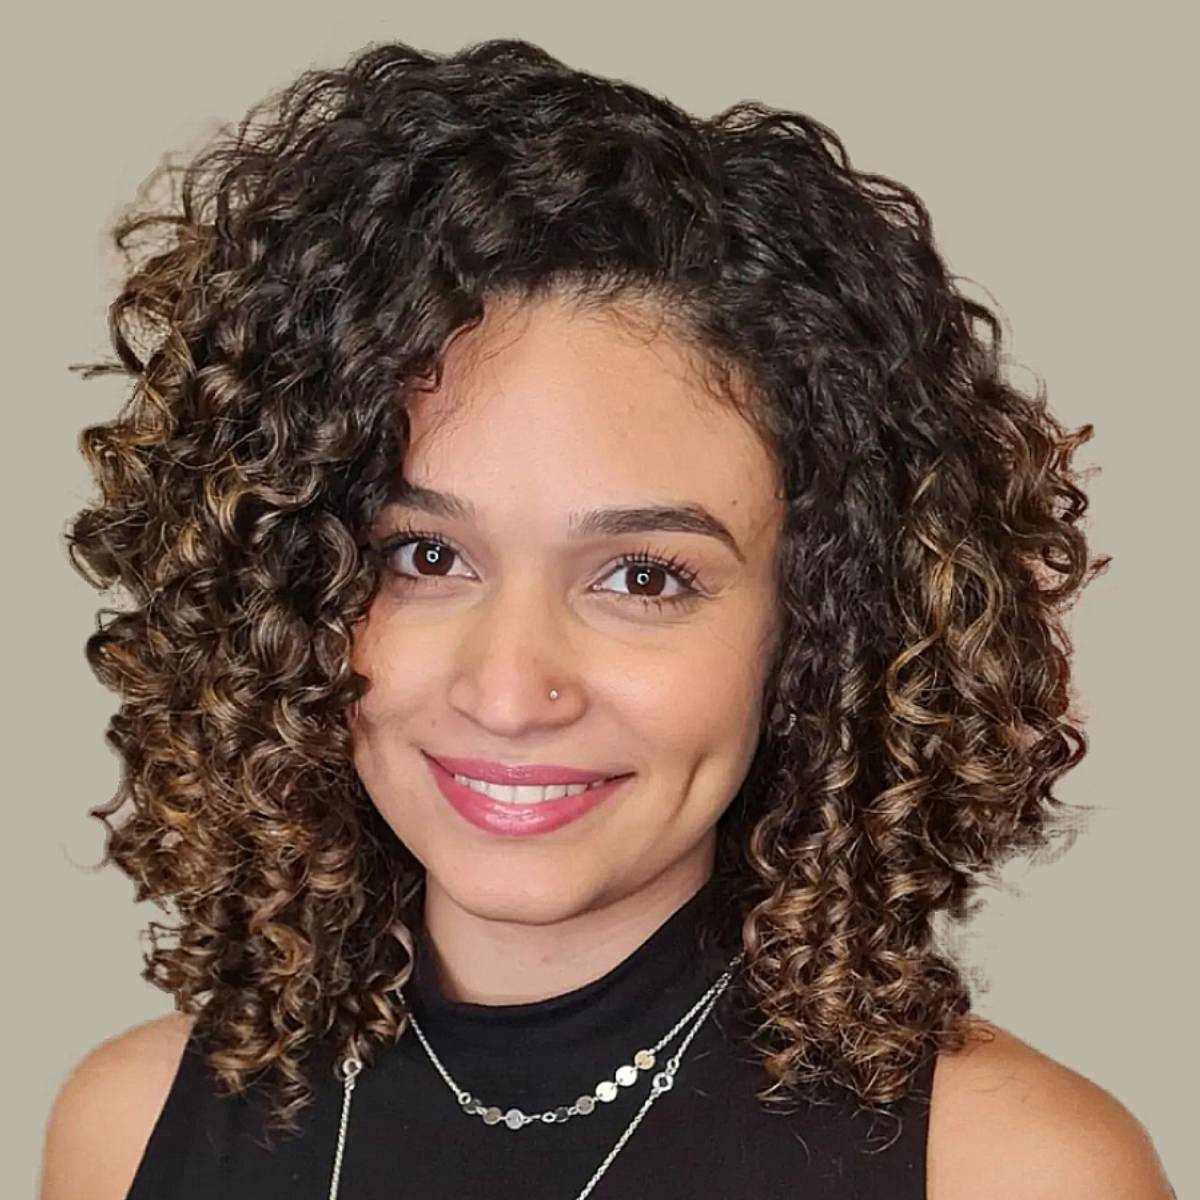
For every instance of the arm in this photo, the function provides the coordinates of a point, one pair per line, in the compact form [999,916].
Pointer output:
[1008,1122]
[104,1113]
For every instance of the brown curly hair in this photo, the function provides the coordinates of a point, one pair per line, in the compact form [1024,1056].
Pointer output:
[312,263]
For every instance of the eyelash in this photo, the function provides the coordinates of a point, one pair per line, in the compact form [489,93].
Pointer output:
[682,570]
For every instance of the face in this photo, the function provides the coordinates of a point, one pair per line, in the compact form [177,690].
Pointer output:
[655,628]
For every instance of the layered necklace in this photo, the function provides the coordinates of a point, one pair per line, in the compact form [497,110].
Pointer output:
[624,1078]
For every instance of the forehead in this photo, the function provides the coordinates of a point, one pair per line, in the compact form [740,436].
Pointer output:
[545,407]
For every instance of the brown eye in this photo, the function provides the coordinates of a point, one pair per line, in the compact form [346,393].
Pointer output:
[649,578]
[431,558]
[646,580]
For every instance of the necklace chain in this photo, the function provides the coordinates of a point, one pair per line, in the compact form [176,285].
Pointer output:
[607,1090]
[604,1092]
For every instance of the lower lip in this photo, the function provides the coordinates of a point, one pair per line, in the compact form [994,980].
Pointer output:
[518,820]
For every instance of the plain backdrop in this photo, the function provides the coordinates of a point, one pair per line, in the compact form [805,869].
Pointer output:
[1054,145]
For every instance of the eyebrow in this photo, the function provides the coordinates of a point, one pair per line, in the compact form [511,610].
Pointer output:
[609,522]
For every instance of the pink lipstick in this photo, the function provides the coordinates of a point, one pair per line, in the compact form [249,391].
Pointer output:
[518,820]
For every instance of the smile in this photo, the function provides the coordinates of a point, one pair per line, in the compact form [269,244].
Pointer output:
[525,793]
[521,810]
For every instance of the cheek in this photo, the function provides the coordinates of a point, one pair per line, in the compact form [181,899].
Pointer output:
[374,656]
[720,674]
[699,709]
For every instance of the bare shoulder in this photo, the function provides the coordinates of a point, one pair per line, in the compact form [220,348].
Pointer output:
[1007,1121]
[104,1112]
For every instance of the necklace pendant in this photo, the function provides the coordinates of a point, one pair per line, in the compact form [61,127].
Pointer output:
[514,1118]
[627,1075]
[585,1104]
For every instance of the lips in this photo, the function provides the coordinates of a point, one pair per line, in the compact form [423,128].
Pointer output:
[528,774]
[517,820]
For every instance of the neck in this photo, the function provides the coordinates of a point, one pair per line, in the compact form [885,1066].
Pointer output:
[480,959]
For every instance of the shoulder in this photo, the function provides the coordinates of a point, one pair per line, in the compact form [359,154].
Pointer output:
[1006,1121]
[106,1109]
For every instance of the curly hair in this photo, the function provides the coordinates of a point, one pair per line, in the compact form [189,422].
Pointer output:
[312,264]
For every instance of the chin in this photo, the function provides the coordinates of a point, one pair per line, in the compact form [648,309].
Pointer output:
[514,894]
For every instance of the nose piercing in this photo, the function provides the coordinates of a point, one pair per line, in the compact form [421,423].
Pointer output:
[554,693]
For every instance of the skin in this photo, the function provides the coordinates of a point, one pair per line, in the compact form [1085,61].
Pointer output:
[544,411]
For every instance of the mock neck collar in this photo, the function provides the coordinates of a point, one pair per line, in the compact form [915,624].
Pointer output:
[654,985]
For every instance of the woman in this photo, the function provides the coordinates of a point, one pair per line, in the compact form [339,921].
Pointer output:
[594,602]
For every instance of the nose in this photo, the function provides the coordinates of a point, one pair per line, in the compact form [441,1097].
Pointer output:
[517,645]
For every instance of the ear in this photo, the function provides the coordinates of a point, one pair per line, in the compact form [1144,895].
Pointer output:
[782,718]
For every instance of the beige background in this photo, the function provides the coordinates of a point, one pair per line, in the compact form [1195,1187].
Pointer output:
[1053,146]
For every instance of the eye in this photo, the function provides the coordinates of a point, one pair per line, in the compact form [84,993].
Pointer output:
[648,573]
[415,554]
[431,557]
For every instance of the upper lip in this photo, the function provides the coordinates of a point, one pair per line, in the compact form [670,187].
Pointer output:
[533,774]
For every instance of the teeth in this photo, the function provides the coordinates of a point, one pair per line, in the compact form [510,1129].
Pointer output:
[510,794]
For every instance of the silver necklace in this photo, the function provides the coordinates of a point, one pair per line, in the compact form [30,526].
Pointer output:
[605,1091]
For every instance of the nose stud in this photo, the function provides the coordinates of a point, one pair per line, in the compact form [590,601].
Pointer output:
[554,693]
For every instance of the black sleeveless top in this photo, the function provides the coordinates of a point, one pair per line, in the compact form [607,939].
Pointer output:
[708,1136]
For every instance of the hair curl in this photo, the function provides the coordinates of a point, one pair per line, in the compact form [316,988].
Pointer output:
[313,262]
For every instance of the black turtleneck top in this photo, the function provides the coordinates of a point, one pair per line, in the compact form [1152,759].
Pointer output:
[708,1136]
